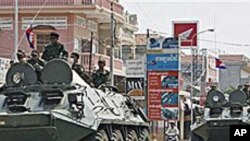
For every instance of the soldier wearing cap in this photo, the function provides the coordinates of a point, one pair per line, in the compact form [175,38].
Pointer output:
[79,69]
[21,56]
[35,59]
[36,62]
[100,76]
[54,49]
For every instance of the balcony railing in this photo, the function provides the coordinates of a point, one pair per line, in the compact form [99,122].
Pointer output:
[118,63]
[29,3]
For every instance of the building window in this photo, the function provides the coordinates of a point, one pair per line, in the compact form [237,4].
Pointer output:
[6,23]
[140,51]
[58,22]
[92,25]
[85,45]
[81,21]
[42,41]
[77,47]
[126,53]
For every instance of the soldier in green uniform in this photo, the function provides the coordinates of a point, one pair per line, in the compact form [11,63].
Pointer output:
[36,62]
[100,76]
[54,49]
[79,69]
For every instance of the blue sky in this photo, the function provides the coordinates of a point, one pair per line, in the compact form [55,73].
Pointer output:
[230,19]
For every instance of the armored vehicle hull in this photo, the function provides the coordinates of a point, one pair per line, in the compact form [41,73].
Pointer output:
[61,106]
[219,115]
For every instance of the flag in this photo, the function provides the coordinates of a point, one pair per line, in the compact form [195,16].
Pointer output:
[219,64]
[30,36]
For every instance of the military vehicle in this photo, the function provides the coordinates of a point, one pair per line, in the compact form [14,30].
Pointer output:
[219,114]
[60,106]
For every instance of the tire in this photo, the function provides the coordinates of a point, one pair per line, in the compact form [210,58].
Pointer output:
[117,136]
[144,135]
[132,136]
[101,135]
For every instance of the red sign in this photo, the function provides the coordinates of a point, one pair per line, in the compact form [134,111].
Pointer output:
[163,95]
[187,31]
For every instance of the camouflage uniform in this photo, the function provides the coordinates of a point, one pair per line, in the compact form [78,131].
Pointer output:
[53,51]
[100,77]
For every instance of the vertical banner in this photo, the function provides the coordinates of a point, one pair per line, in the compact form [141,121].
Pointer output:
[4,66]
[135,78]
[187,31]
[163,79]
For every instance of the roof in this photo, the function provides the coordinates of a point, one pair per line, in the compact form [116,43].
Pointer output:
[141,39]
[234,58]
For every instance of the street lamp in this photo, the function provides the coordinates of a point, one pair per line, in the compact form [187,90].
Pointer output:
[192,73]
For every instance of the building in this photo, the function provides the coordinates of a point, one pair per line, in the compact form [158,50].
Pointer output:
[138,49]
[237,71]
[74,20]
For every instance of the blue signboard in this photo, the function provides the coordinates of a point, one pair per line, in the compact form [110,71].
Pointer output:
[154,43]
[161,62]
[170,43]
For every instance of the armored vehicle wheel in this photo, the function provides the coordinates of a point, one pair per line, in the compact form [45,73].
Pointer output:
[101,135]
[132,136]
[144,135]
[117,136]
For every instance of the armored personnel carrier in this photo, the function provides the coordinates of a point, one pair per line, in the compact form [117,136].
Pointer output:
[219,114]
[60,106]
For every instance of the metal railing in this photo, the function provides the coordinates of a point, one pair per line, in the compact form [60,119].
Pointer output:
[29,3]
[118,63]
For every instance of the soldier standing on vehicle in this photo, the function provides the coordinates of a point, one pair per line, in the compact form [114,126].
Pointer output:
[100,76]
[54,49]
[36,62]
[35,59]
[74,57]
[21,56]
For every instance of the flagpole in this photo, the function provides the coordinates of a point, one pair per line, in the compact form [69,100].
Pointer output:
[16,30]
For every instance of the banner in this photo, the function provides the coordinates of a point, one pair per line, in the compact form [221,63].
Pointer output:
[163,94]
[135,68]
[135,73]
[4,66]
[162,62]
[163,79]
[187,31]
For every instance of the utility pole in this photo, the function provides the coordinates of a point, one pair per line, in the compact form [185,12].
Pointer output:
[16,30]
[112,46]
[90,52]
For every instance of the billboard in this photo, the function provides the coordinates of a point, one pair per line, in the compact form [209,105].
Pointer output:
[186,30]
[135,87]
[163,95]
[162,62]
[135,68]
[135,73]
[163,45]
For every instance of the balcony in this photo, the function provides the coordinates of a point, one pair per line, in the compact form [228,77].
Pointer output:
[63,3]
[118,63]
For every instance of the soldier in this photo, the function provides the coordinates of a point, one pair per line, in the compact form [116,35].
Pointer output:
[100,76]
[21,56]
[35,59]
[79,68]
[54,49]
[36,62]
